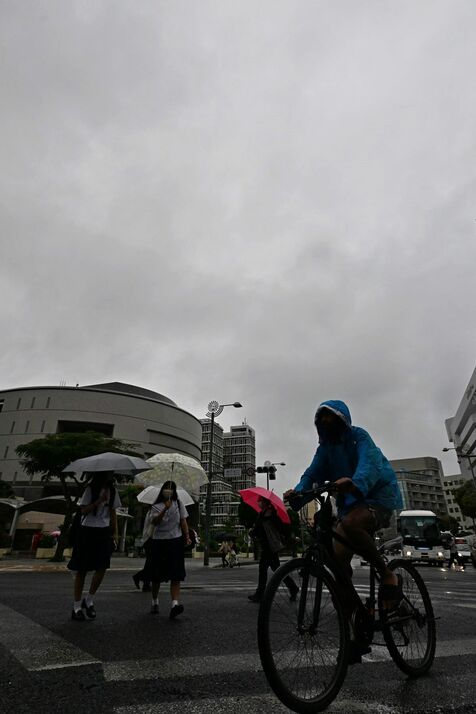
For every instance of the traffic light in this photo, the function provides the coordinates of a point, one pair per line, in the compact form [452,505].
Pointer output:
[261,469]
[272,472]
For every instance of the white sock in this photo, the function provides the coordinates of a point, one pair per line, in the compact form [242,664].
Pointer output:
[77,605]
[89,599]
[155,601]
[174,602]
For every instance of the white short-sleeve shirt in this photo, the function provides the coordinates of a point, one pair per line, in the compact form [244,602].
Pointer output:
[169,527]
[102,517]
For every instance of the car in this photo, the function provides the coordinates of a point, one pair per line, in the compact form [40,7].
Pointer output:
[464,550]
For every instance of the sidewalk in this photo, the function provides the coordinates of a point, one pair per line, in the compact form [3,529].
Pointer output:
[118,562]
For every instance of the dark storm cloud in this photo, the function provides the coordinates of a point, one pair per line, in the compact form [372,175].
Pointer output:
[268,202]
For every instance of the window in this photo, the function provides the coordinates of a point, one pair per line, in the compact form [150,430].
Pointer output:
[19,403]
[42,426]
[6,452]
[32,402]
[27,426]
[2,402]
[12,428]
[48,403]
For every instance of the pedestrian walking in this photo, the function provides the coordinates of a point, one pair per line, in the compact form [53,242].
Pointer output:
[455,556]
[165,559]
[94,540]
[269,531]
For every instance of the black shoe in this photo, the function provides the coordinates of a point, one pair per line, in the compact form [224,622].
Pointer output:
[293,595]
[136,580]
[77,615]
[254,598]
[154,610]
[356,651]
[176,610]
[90,611]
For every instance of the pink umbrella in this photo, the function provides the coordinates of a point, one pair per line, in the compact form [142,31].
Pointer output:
[251,495]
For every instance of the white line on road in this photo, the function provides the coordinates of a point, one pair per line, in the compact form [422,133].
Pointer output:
[128,670]
[35,647]
[252,705]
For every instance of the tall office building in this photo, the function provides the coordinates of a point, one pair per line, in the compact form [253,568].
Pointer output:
[461,430]
[233,464]
[239,456]
[217,457]
[421,484]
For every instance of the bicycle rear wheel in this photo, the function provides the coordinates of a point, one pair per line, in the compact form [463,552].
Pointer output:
[303,644]
[412,641]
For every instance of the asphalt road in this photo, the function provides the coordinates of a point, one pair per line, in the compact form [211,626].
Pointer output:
[128,661]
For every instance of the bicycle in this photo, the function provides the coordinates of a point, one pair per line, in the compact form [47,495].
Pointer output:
[304,644]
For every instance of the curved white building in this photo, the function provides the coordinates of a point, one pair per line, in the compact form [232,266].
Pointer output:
[152,421]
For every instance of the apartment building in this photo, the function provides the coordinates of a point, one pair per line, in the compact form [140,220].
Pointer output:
[421,483]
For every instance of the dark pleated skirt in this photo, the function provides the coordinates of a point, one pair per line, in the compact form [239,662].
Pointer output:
[165,561]
[92,550]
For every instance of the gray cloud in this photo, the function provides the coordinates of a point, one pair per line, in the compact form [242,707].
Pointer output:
[270,203]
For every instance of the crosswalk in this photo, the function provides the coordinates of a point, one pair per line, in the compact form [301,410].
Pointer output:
[41,651]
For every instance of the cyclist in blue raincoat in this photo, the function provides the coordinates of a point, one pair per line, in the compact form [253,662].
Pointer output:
[367,489]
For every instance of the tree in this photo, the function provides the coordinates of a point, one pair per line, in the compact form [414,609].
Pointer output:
[465,497]
[448,523]
[49,455]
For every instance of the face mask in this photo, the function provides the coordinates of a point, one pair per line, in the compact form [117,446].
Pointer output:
[167,494]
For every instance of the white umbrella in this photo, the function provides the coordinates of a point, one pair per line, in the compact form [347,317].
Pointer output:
[150,493]
[184,470]
[109,461]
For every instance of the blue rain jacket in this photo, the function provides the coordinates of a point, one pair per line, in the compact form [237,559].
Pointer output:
[355,456]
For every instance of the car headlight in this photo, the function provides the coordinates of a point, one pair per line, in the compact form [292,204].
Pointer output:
[408,552]
[440,554]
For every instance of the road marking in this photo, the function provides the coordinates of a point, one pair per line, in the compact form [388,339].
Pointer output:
[128,670]
[35,647]
[254,705]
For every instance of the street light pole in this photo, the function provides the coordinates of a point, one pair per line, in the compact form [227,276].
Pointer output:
[461,455]
[214,409]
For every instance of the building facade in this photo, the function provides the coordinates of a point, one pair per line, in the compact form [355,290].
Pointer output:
[461,430]
[450,484]
[147,419]
[233,468]
[421,484]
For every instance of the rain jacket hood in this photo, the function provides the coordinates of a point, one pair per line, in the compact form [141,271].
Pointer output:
[353,455]
[337,407]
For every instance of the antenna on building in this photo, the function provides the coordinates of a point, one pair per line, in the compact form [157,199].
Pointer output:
[244,422]
[62,383]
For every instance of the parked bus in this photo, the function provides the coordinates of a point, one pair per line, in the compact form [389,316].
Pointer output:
[421,537]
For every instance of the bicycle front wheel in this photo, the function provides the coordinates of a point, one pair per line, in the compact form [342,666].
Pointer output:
[411,639]
[303,642]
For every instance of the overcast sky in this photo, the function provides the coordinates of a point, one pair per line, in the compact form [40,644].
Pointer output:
[271,202]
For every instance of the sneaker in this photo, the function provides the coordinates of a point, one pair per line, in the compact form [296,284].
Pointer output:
[90,611]
[254,598]
[356,651]
[154,610]
[176,610]
[136,580]
[78,615]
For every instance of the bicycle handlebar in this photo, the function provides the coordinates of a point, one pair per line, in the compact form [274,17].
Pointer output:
[315,491]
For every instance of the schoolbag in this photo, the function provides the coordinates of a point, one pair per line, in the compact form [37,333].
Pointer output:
[149,527]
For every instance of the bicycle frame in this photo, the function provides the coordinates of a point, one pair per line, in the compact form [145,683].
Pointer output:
[320,554]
